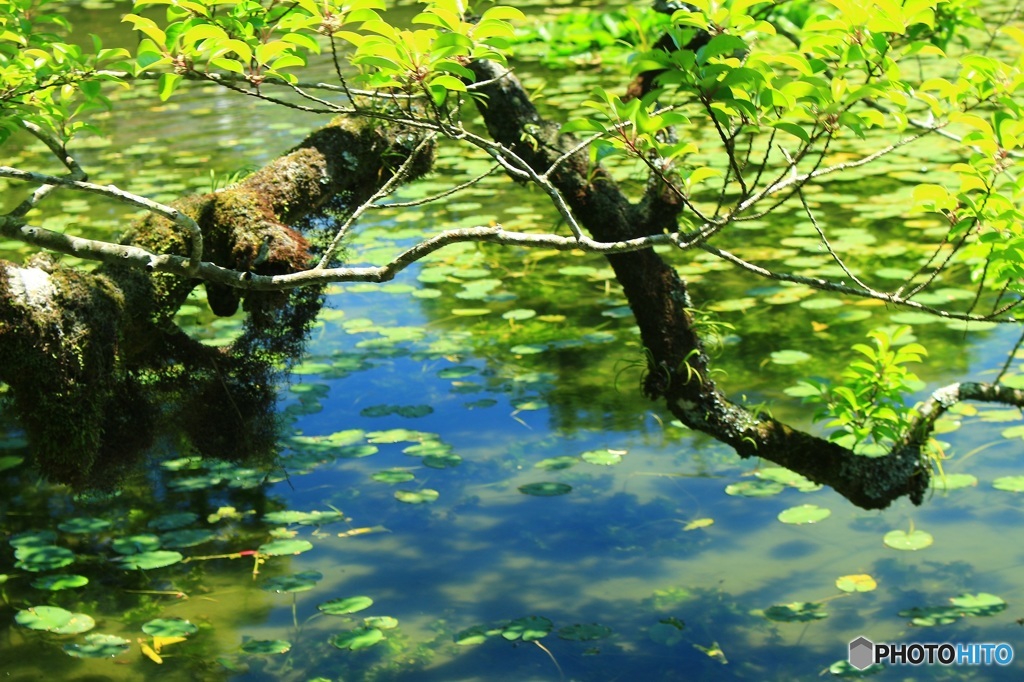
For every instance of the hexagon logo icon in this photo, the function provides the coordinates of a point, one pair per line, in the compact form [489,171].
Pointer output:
[862,653]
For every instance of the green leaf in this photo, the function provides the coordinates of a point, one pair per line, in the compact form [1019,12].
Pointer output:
[902,540]
[145,561]
[545,489]
[341,607]
[54,619]
[98,646]
[169,627]
[804,514]
[528,628]
[60,581]
[361,638]
[285,547]
[167,85]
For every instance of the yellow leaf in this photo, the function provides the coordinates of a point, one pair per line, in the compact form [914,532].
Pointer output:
[698,523]
[160,642]
[148,652]
[818,326]
[860,582]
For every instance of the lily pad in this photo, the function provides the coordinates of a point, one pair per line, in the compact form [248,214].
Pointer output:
[42,558]
[476,634]
[421,496]
[457,372]
[135,544]
[33,538]
[356,451]
[519,314]
[584,632]
[169,627]
[902,540]
[189,537]
[381,622]
[805,513]
[54,619]
[757,488]
[313,518]
[61,581]
[296,582]
[954,481]
[790,357]
[341,607]
[442,461]
[860,582]
[84,524]
[545,489]
[393,476]
[796,612]
[603,457]
[98,646]
[1013,484]
[430,447]
[267,647]
[145,561]
[285,547]
[528,628]
[361,638]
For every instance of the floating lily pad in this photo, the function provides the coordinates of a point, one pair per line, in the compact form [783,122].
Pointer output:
[954,481]
[381,622]
[33,538]
[341,607]
[393,476]
[789,478]
[285,547]
[799,612]
[169,627]
[471,312]
[84,524]
[98,646]
[172,521]
[899,539]
[981,604]
[603,457]
[528,628]
[313,518]
[54,619]
[860,582]
[557,463]
[805,513]
[145,561]
[545,489]
[190,537]
[135,544]
[519,314]
[931,616]
[581,632]
[398,435]
[296,582]
[267,647]
[1013,484]
[757,488]
[361,638]
[429,447]
[416,496]
[790,357]
[442,461]
[59,582]
[42,558]
[476,634]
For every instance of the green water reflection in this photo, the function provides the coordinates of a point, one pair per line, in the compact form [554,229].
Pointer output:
[518,397]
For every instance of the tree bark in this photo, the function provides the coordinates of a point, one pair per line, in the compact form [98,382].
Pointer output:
[677,362]
[74,346]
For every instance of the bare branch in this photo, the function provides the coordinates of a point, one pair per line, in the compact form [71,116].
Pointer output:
[172,214]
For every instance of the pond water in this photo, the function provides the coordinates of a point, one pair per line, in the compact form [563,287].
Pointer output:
[469,474]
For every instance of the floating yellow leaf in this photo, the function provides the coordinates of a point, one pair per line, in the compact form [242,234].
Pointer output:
[160,642]
[861,582]
[148,652]
[698,523]
[362,531]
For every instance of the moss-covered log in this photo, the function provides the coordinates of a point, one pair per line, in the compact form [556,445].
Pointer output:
[75,346]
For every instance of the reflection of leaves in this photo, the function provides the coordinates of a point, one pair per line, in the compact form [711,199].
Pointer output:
[98,646]
[584,632]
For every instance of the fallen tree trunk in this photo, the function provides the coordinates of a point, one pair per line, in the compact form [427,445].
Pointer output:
[76,347]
